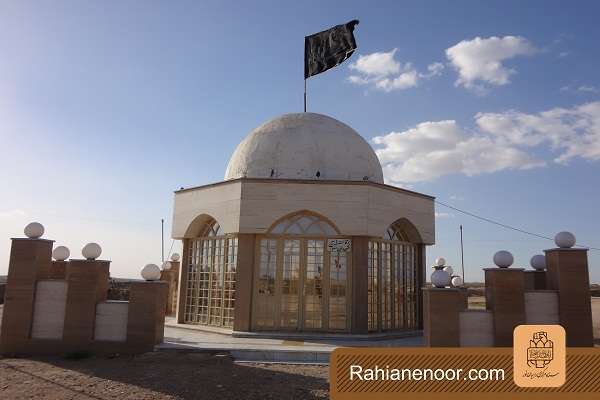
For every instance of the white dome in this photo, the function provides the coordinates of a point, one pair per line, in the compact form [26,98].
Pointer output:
[297,146]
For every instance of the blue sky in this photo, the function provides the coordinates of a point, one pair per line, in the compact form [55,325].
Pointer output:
[107,107]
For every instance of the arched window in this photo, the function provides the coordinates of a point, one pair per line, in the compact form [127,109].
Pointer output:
[394,232]
[304,224]
[212,229]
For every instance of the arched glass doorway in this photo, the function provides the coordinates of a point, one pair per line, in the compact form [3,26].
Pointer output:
[302,276]
[211,267]
[394,279]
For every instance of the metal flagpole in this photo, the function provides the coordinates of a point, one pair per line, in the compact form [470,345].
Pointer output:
[162,238]
[462,256]
[305,95]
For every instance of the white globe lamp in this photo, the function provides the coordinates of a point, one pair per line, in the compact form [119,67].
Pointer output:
[34,230]
[166,266]
[440,278]
[538,262]
[449,270]
[61,253]
[91,251]
[440,261]
[175,257]
[457,281]
[150,272]
[564,240]
[503,259]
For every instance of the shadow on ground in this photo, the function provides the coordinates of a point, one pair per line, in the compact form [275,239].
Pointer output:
[159,375]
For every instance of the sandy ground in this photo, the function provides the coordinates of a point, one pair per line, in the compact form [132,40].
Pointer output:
[162,375]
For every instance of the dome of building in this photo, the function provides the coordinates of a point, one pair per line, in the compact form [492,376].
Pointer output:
[305,146]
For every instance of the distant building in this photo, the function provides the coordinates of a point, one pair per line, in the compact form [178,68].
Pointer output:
[303,235]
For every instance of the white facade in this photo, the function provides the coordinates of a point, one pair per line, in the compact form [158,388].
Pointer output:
[253,205]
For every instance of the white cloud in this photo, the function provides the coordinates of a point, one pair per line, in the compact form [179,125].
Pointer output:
[569,132]
[588,89]
[499,141]
[434,149]
[582,89]
[382,71]
[444,215]
[15,213]
[377,64]
[435,69]
[479,61]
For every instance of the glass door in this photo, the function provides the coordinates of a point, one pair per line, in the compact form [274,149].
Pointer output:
[290,285]
[313,285]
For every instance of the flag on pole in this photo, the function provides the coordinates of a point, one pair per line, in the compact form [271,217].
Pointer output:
[327,49]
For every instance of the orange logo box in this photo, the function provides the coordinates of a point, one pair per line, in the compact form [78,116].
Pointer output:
[539,356]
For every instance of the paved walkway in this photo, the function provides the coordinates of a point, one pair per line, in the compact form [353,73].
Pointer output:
[271,350]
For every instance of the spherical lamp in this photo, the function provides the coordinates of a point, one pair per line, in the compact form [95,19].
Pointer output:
[61,253]
[34,230]
[564,240]
[150,272]
[440,261]
[538,262]
[449,270]
[457,281]
[440,278]
[166,266]
[503,259]
[91,251]
[175,257]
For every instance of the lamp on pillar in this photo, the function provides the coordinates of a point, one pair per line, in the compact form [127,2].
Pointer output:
[535,279]
[504,296]
[442,305]
[568,274]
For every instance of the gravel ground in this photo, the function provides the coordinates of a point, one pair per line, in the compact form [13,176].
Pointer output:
[160,375]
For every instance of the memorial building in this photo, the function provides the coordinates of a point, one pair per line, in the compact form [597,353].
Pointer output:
[303,235]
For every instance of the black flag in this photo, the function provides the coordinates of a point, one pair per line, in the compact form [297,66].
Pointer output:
[325,50]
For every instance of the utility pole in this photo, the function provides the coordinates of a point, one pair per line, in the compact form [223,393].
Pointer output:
[162,239]
[462,255]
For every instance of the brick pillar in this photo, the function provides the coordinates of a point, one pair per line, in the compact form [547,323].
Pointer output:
[54,270]
[243,282]
[27,258]
[88,285]
[183,278]
[441,307]
[568,273]
[360,285]
[422,278]
[535,280]
[146,319]
[505,297]
[171,276]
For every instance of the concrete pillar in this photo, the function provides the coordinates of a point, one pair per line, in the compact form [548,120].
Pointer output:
[535,280]
[244,277]
[360,285]
[183,280]
[568,274]
[146,315]
[27,258]
[441,307]
[87,286]
[504,296]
